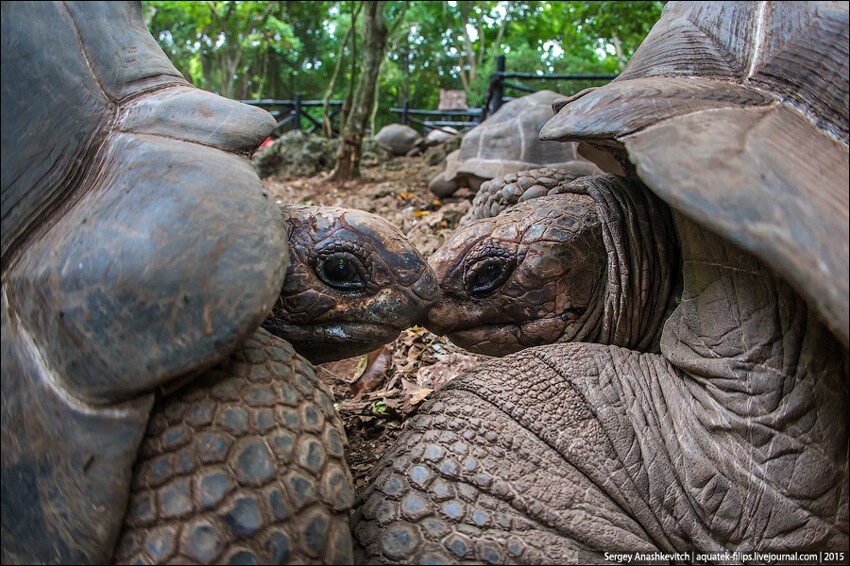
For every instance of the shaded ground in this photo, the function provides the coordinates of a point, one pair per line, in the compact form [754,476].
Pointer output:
[376,394]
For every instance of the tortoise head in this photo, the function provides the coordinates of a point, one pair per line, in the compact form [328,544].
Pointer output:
[578,265]
[354,282]
[530,276]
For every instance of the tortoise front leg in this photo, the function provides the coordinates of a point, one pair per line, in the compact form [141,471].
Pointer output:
[245,464]
[520,462]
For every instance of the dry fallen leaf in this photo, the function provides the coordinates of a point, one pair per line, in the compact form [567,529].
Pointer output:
[420,396]
[374,372]
[346,370]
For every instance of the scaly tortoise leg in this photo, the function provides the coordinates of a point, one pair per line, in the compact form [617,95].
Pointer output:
[511,464]
[246,465]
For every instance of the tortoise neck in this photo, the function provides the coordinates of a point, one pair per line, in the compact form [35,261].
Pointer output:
[643,268]
[741,329]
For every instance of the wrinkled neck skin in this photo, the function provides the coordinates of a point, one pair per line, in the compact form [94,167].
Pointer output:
[763,432]
[354,282]
[596,261]
[735,438]
[643,260]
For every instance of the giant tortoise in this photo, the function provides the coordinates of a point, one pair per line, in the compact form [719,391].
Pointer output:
[398,139]
[507,142]
[734,437]
[247,462]
[140,256]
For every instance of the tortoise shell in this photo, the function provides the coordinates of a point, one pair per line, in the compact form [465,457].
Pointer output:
[137,246]
[398,138]
[736,115]
[507,142]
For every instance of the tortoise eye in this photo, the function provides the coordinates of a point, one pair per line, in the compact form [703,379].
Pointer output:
[488,275]
[341,271]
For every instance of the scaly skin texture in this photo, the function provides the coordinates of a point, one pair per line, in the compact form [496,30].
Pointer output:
[246,463]
[354,282]
[500,193]
[734,438]
[596,260]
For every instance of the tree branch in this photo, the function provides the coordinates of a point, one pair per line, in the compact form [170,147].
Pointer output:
[399,19]
[501,31]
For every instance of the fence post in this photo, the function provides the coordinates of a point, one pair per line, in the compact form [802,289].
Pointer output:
[404,112]
[297,124]
[500,84]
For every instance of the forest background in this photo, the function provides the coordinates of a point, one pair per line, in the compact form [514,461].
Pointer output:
[319,49]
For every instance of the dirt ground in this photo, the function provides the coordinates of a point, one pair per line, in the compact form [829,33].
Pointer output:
[377,393]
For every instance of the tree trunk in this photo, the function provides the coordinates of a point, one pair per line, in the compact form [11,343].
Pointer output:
[208,74]
[231,64]
[264,73]
[497,43]
[345,112]
[468,48]
[374,111]
[374,44]
[405,87]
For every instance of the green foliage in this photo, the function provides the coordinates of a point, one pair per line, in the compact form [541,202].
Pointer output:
[378,407]
[276,49]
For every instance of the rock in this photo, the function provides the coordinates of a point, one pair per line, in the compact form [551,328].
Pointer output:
[296,154]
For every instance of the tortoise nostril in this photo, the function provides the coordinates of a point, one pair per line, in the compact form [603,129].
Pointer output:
[426,288]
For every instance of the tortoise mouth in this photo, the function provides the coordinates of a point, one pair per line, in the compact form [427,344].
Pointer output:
[327,342]
[508,337]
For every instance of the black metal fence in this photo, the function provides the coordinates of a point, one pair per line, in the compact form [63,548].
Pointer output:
[499,82]
[467,119]
[293,114]
[461,120]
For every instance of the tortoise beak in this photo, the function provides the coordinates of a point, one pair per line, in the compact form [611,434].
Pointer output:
[427,288]
[438,319]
